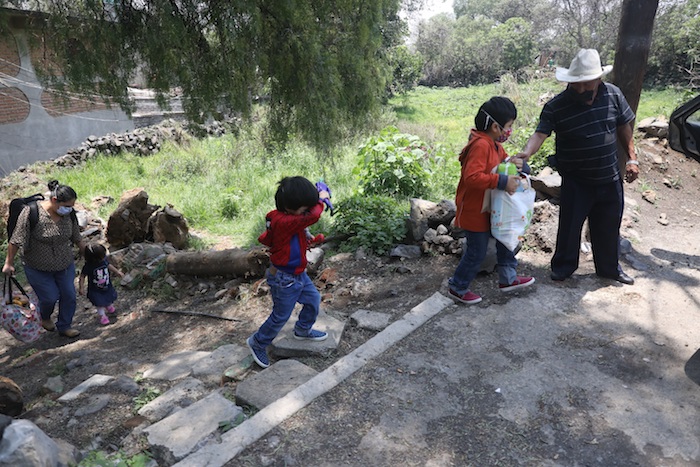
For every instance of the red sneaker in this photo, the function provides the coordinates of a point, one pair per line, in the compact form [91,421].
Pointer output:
[468,298]
[518,283]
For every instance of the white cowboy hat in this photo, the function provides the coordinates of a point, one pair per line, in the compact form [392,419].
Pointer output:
[584,67]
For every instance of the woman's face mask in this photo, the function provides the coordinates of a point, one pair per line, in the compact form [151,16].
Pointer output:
[64,210]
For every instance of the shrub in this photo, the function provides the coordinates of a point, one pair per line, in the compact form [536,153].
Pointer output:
[375,223]
[394,164]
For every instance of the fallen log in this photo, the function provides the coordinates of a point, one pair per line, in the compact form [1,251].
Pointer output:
[195,313]
[234,262]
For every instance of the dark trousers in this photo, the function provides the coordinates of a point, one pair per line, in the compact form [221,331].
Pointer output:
[602,205]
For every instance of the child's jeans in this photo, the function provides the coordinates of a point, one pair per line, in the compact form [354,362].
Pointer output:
[287,290]
[473,256]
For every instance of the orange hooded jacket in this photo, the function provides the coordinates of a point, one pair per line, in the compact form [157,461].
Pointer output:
[478,158]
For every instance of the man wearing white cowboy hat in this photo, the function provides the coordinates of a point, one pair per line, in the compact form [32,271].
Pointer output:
[588,117]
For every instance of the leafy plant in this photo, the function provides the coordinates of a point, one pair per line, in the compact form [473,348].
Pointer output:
[393,164]
[375,223]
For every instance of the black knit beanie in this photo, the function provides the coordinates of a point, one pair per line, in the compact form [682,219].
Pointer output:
[500,109]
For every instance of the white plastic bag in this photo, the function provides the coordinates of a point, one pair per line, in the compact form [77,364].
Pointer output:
[511,214]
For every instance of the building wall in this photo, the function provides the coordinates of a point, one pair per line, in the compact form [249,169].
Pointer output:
[37,124]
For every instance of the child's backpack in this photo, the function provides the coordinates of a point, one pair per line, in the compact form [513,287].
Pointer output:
[16,206]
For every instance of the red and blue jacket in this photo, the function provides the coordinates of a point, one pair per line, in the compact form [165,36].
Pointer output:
[286,238]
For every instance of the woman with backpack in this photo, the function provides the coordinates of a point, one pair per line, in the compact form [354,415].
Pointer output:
[46,246]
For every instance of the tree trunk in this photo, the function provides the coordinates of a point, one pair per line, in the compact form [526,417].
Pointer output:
[632,51]
[232,262]
[631,55]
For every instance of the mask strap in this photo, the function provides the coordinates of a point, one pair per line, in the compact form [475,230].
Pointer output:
[488,116]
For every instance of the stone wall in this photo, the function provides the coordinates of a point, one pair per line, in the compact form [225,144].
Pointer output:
[35,123]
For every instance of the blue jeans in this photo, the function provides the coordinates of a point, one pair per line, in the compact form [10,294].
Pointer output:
[51,287]
[287,290]
[472,257]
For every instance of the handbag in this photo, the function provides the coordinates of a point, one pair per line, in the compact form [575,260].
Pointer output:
[19,316]
[511,214]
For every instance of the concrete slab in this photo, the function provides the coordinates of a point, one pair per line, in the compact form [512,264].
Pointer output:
[372,320]
[91,382]
[211,369]
[176,366]
[285,345]
[184,394]
[184,430]
[273,383]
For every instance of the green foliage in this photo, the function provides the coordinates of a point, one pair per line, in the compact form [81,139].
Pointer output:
[118,459]
[473,50]
[675,50]
[146,396]
[375,223]
[322,62]
[407,68]
[393,164]
[229,203]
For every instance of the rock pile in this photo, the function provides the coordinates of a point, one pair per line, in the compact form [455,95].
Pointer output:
[141,141]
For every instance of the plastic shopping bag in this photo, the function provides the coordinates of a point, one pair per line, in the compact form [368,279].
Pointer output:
[504,168]
[511,214]
[18,315]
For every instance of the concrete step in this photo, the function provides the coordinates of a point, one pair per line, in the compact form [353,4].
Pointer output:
[186,430]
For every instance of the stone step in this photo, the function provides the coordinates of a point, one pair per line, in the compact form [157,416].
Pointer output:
[274,382]
[189,429]
[286,346]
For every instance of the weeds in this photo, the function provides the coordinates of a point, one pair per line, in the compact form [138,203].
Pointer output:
[146,396]
[643,185]
[118,459]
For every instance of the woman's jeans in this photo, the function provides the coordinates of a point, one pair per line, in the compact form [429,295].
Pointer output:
[51,287]
[287,290]
[472,257]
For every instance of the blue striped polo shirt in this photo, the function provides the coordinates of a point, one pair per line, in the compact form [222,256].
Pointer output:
[586,135]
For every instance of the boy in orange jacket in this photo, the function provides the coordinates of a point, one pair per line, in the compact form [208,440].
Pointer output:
[493,125]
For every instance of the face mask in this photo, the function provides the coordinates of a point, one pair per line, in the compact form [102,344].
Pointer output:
[504,137]
[582,98]
[64,210]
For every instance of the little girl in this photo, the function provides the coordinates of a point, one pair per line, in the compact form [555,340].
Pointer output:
[100,291]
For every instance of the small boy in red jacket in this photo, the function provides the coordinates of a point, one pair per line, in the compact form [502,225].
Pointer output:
[299,204]
[493,125]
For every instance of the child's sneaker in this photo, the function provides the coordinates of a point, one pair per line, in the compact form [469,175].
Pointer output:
[469,298]
[259,354]
[110,309]
[312,335]
[104,320]
[518,283]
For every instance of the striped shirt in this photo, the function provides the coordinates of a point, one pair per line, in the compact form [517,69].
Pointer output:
[586,140]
